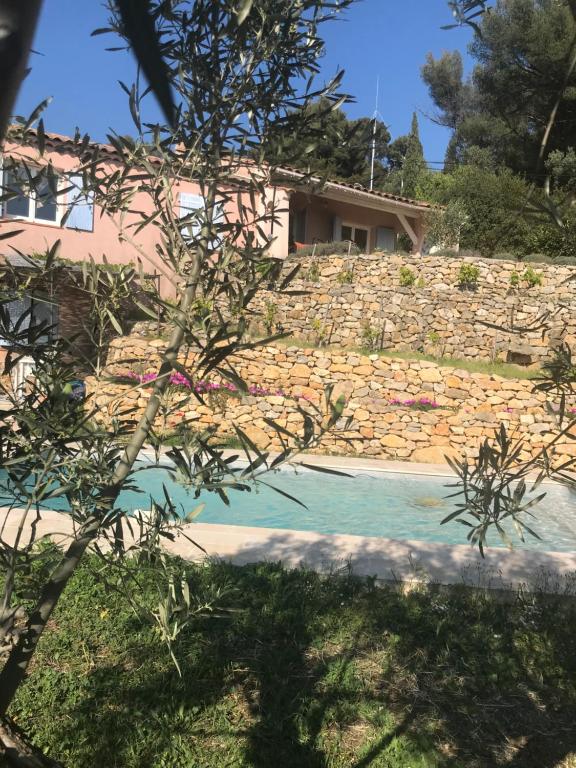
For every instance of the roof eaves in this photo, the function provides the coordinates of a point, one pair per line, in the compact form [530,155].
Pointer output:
[346,187]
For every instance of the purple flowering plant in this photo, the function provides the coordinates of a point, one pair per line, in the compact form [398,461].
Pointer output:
[178,379]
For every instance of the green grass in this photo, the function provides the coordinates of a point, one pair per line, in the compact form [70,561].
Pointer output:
[307,672]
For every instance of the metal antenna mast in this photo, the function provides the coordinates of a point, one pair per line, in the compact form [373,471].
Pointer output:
[374,118]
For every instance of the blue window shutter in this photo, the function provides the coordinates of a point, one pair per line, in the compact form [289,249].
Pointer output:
[81,205]
[188,204]
[385,239]
[337,229]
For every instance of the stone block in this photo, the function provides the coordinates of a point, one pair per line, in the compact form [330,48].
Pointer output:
[392,441]
[435,454]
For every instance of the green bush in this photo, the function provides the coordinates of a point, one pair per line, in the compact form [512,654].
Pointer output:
[407,277]
[313,273]
[320,331]
[404,243]
[270,316]
[484,205]
[542,258]
[370,336]
[514,279]
[345,277]
[468,275]
[553,241]
[531,277]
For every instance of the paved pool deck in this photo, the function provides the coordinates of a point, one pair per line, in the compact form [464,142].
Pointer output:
[386,559]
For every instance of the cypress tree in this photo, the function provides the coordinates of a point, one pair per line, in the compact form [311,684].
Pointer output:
[414,164]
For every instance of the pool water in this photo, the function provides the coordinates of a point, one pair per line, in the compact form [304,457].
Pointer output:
[392,505]
[388,504]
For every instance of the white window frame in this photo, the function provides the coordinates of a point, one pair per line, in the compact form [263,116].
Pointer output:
[32,205]
[354,227]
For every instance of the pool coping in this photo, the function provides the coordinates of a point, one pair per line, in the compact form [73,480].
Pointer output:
[359,464]
[352,463]
[387,560]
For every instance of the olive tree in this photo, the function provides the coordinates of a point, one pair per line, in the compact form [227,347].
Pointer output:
[234,72]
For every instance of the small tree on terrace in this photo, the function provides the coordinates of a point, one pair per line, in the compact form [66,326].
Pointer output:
[238,70]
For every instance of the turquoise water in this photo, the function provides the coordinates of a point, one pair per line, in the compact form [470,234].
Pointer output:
[393,505]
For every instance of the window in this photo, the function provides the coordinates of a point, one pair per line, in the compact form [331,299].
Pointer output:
[189,205]
[358,235]
[193,206]
[386,239]
[35,202]
[28,312]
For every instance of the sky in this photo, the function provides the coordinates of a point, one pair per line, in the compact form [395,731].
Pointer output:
[385,39]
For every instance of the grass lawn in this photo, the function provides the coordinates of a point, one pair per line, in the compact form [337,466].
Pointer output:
[307,672]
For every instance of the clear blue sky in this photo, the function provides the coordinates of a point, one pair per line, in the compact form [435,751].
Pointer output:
[389,38]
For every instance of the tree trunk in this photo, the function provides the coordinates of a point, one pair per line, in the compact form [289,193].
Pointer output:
[16,752]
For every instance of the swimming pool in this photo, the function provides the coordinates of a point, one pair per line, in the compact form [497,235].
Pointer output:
[388,504]
[384,504]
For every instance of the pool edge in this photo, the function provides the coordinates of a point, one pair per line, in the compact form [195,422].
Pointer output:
[388,560]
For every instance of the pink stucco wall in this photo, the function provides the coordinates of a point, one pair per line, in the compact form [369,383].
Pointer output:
[105,239]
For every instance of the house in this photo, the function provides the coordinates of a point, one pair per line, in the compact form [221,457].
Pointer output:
[306,210]
[312,211]
[83,229]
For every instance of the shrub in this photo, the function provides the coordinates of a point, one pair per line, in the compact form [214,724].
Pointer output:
[313,273]
[444,226]
[202,308]
[320,331]
[447,253]
[407,277]
[404,243]
[553,241]
[468,275]
[345,277]
[532,277]
[370,336]
[420,283]
[542,258]
[514,279]
[270,316]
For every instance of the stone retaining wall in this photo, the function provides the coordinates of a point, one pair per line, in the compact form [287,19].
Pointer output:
[462,408]
[358,301]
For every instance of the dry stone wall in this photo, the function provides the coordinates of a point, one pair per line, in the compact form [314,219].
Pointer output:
[357,301]
[413,410]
